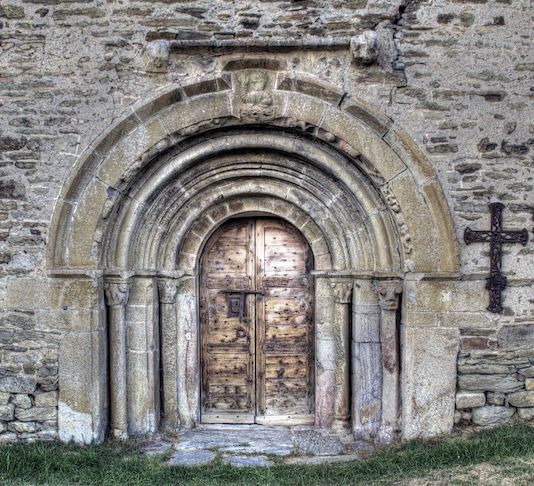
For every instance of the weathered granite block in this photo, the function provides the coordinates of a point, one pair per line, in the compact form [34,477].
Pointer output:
[516,336]
[22,427]
[22,401]
[7,412]
[47,399]
[37,413]
[526,413]
[521,399]
[495,398]
[490,416]
[470,400]
[15,384]
[497,383]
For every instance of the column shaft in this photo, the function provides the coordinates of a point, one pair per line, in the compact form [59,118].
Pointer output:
[343,297]
[169,352]
[116,292]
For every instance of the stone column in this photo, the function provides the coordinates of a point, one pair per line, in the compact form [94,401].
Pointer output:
[388,292]
[142,328]
[343,298]
[116,291]
[167,289]
[366,363]
[188,371]
[325,351]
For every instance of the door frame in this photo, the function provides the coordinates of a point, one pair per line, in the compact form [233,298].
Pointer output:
[252,303]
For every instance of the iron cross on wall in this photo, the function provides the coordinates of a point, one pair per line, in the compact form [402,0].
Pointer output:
[496,236]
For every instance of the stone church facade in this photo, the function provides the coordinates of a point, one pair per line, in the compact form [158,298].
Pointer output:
[256,212]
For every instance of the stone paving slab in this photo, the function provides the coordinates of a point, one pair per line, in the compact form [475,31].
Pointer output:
[250,445]
[248,461]
[313,460]
[317,443]
[154,447]
[239,439]
[197,457]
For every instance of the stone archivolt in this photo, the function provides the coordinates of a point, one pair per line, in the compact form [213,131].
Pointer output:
[145,198]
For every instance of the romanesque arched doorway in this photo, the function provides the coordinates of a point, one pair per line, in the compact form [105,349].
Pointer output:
[132,221]
[257,324]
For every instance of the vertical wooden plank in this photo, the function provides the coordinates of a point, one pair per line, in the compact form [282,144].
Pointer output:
[260,317]
[251,313]
[227,354]
[285,352]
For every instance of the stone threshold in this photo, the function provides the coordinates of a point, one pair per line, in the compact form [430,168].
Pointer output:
[255,445]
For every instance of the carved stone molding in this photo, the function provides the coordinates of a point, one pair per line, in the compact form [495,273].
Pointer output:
[116,291]
[342,291]
[388,293]
[167,290]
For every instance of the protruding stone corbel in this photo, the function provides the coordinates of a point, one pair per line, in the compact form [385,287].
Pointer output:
[157,53]
[116,291]
[167,291]
[365,47]
[342,290]
[388,292]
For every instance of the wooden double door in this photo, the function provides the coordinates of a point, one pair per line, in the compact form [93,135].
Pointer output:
[256,320]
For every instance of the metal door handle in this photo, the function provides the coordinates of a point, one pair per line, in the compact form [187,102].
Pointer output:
[236,302]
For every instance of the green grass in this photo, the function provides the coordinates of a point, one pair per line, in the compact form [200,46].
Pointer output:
[500,455]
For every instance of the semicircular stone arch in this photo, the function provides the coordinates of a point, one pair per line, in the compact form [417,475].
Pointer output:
[391,162]
[145,197]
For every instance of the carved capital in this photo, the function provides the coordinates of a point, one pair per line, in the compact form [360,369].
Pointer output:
[167,289]
[116,291]
[388,293]
[342,291]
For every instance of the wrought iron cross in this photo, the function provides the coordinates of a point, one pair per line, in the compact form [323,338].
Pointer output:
[496,236]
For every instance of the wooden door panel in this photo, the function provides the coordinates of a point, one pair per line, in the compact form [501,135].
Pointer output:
[285,321]
[260,366]
[286,366]
[227,353]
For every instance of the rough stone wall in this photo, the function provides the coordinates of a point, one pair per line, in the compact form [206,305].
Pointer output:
[454,74]
[496,377]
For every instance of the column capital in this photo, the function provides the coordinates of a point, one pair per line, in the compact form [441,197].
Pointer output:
[388,292]
[342,291]
[167,289]
[116,291]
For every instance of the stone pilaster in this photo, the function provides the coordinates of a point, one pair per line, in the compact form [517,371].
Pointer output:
[116,291]
[343,298]
[167,290]
[388,292]
[188,370]
[325,351]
